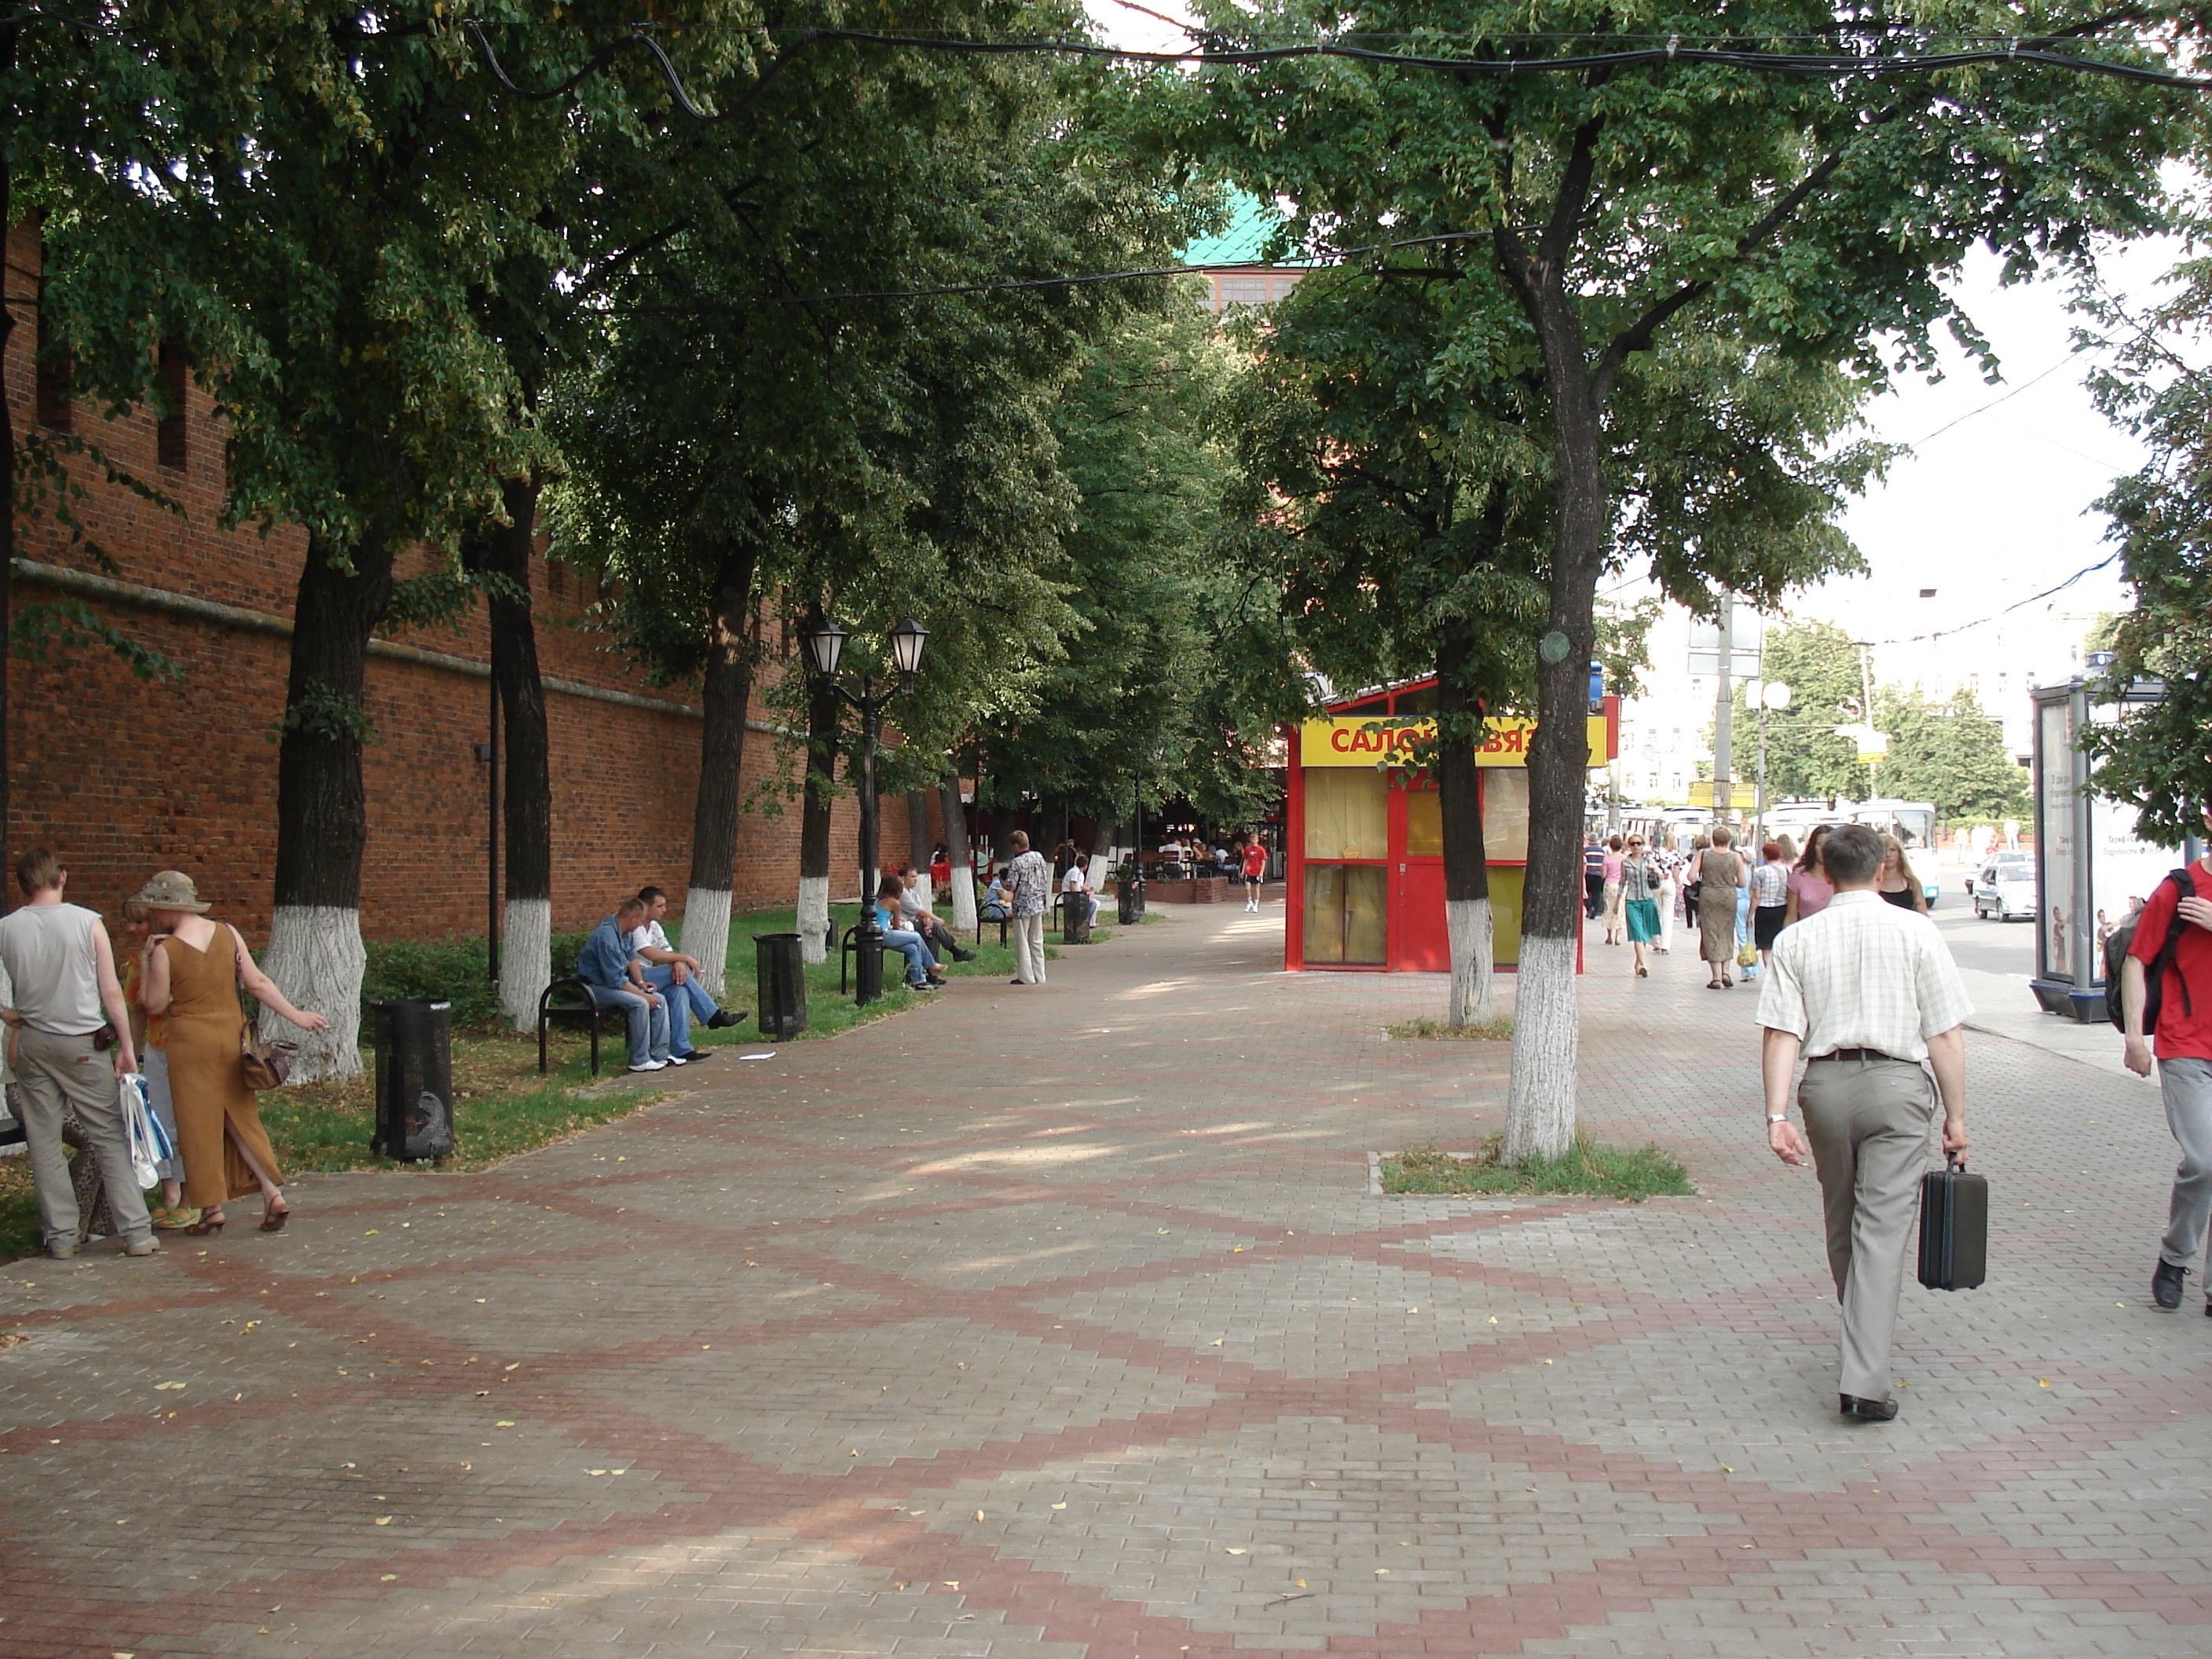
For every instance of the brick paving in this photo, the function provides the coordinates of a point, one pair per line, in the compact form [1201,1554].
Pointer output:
[1057,1323]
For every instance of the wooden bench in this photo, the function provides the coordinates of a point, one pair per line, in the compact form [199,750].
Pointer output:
[573,1001]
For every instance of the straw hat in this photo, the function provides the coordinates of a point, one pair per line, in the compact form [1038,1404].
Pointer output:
[169,889]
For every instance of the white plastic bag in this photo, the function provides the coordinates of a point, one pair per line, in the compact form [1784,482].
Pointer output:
[143,1133]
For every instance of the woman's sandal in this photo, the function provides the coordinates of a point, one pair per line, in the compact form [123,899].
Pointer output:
[272,1221]
[173,1217]
[203,1227]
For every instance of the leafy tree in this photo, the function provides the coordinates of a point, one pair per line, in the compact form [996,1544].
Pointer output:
[1949,753]
[2156,756]
[1627,202]
[1819,664]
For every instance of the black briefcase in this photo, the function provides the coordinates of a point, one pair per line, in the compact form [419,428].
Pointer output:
[1954,1229]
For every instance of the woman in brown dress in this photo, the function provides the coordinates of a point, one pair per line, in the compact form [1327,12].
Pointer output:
[194,967]
[1718,872]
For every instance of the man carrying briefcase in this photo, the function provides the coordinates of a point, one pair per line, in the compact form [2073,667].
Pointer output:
[1868,991]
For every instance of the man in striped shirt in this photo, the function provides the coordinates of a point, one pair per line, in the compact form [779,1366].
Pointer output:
[1869,993]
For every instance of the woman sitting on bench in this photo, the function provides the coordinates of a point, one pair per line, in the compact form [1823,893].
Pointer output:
[922,973]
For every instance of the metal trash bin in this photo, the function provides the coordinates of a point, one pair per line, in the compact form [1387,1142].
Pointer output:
[1075,919]
[780,976]
[1129,901]
[414,1105]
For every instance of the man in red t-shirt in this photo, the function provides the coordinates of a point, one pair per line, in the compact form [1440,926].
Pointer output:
[1256,870]
[2183,1037]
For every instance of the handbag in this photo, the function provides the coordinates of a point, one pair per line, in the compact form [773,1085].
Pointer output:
[144,1136]
[263,1065]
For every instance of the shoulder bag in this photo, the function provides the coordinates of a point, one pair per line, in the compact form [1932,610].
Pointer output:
[263,1065]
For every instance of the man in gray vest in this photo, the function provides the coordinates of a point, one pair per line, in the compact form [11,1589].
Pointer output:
[63,968]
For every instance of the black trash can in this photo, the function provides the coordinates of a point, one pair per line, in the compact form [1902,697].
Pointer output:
[1129,901]
[1075,919]
[414,1077]
[782,975]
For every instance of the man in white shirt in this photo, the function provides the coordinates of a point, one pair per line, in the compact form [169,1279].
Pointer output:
[1078,880]
[63,968]
[1868,991]
[677,977]
[1028,882]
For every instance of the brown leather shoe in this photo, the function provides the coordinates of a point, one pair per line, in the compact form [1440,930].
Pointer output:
[1868,1411]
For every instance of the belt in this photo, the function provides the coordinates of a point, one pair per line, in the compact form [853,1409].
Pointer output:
[1863,1053]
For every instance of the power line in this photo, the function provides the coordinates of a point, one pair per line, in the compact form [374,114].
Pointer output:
[1983,621]
[1993,402]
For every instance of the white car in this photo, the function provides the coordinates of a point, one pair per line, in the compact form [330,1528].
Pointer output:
[2005,888]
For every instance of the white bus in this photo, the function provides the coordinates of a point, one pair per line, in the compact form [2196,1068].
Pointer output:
[1913,822]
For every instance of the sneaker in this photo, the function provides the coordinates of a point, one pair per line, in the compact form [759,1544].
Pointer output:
[677,1060]
[2165,1283]
[1018,981]
[62,1252]
[650,1066]
[143,1247]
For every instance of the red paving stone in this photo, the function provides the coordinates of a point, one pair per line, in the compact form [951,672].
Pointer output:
[1057,1323]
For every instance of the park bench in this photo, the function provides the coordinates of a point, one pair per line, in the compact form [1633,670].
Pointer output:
[573,1002]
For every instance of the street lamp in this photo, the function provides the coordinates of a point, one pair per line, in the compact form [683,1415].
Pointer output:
[825,647]
[1774,694]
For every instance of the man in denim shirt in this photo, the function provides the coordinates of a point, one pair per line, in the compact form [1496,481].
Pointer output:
[616,977]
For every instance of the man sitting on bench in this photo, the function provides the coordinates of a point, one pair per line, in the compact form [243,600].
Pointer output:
[616,977]
[677,977]
[1077,884]
[934,932]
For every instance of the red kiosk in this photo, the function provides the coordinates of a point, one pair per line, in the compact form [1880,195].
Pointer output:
[1365,843]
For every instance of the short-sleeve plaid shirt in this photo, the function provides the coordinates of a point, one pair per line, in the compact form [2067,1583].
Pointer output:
[1863,975]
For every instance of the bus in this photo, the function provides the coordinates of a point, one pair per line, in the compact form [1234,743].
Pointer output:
[1913,822]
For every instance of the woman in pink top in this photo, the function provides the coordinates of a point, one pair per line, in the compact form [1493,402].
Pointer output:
[1809,887]
[1615,928]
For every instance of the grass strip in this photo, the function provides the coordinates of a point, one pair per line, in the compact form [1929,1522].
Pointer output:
[1584,1169]
[1436,1030]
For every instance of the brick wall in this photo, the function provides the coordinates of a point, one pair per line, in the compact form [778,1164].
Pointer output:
[123,776]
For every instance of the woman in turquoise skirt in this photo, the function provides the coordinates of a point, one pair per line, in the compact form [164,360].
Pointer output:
[1639,888]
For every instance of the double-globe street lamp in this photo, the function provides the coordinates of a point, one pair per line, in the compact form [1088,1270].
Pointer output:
[825,644]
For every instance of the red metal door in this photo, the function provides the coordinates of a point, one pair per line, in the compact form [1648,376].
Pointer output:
[1419,943]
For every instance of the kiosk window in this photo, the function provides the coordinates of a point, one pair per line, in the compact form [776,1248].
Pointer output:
[1346,814]
[1345,917]
[1424,824]
[1505,815]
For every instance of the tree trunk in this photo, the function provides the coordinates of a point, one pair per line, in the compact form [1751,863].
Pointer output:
[956,849]
[823,720]
[526,957]
[724,697]
[918,844]
[1467,867]
[8,37]
[315,953]
[1003,819]
[1539,1114]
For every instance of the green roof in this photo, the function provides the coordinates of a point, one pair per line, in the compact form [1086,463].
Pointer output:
[1243,241]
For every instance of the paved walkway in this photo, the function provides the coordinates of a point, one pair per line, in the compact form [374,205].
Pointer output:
[1055,1323]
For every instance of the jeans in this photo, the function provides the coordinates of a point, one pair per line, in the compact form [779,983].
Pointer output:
[919,961]
[648,1022]
[2187,1085]
[686,1002]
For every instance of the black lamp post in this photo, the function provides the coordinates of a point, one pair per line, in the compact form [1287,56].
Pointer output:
[825,644]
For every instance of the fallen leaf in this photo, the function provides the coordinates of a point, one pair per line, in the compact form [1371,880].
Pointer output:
[1493,1319]
[502,1423]
[1163,1233]
[1301,1583]
[158,1387]
[1728,1469]
[1215,1343]
[949,1583]
[372,1233]
[1382,1573]
[979,1515]
[1237,1552]
[383,1520]
[2042,1382]
[1413,1310]
[388,1577]
[1059,1506]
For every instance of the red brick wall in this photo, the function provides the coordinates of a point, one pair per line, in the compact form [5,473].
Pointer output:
[122,776]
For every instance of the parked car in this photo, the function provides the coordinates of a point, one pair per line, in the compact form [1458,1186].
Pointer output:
[2005,888]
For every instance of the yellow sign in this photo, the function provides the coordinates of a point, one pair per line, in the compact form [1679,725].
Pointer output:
[1385,740]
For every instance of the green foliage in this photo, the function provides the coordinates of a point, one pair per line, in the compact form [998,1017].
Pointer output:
[1950,753]
[1584,1169]
[2157,755]
[321,710]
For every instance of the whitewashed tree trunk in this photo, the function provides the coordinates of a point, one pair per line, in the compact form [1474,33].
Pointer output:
[813,919]
[1473,982]
[963,902]
[925,890]
[525,959]
[1540,1120]
[316,957]
[707,935]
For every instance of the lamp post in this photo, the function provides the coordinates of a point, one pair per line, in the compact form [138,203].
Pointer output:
[825,645]
[1772,694]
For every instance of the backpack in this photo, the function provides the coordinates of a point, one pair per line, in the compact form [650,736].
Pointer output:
[2116,945]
